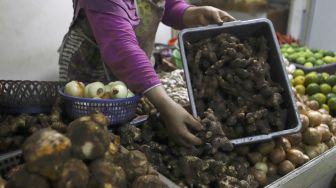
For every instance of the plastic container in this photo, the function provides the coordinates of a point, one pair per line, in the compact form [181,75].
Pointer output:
[243,30]
[329,68]
[316,173]
[10,160]
[117,110]
[26,96]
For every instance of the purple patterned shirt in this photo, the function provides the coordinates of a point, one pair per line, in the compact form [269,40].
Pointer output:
[112,23]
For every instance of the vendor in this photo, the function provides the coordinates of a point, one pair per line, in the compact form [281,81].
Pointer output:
[113,39]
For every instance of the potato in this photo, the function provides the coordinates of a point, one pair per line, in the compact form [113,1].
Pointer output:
[277,155]
[331,142]
[296,157]
[312,136]
[313,105]
[312,151]
[272,169]
[285,167]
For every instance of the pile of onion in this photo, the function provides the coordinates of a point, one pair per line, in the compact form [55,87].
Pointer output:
[97,90]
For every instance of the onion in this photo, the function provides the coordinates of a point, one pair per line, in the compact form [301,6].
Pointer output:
[312,136]
[112,84]
[272,169]
[284,143]
[312,151]
[331,142]
[277,155]
[254,157]
[314,105]
[74,88]
[259,176]
[94,90]
[119,91]
[294,139]
[332,127]
[315,118]
[324,131]
[261,166]
[130,94]
[297,157]
[266,147]
[301,108]
[305,121]
[326,119]
[322,147]
[285,167]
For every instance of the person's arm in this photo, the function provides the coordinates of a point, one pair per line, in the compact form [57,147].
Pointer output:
[178,14]
[128,62]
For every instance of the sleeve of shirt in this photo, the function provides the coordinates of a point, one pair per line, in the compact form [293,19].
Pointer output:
[173,15]
[121,52]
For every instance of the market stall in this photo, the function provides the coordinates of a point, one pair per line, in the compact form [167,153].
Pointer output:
[265,103]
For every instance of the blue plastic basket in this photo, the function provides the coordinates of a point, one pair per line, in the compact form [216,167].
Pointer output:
[117,110]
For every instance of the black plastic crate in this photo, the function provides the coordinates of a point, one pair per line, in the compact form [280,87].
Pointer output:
[243,30]
[10,160]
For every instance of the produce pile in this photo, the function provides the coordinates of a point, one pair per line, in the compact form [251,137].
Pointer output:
[233,78]
[208,165]
[83,157]
[175,86]
[14,129]
[271,160]
[307,57]
[97,90]
[320,87]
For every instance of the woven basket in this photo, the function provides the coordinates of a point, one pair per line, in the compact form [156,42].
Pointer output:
[25,96]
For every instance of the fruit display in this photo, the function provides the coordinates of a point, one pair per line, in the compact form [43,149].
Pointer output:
[97,90]
[320,87]
[307,57]
[233,73]
[212,164]
[52,160]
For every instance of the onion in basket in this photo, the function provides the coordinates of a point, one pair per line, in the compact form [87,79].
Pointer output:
[74,88]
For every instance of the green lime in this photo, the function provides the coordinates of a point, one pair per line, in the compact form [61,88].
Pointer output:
[325,88]
[300,89]
[330,95]
[290,50]
[292,82]
[319,97]
[285,46]
[326,107]
[309,65]
[312,73]
[311,59]
[311,78]
[332,103]
[328,59]
[299,80]
[301,60]
[318,56]
[333,89]
[325,76]
[320,79]
[331,80]
[312,89]
[298,72]
[295,45]
[319,62]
